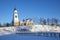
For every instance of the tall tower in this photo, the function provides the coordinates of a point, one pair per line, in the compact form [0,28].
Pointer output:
[15,17]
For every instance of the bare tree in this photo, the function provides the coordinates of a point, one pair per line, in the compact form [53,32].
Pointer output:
[55,21]
[0,25]
[52,21]
[48,21]
[7,24]
[42,21]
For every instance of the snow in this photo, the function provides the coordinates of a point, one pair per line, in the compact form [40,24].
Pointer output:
[45,28]
[32,28]
[7,30]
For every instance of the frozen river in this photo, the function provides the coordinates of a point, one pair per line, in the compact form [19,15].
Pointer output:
[26,37]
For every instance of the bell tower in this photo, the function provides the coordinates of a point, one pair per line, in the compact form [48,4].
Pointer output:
[15,18]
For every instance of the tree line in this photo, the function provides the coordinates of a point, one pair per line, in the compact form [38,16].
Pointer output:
[5,24]
[48,21]
[42,21]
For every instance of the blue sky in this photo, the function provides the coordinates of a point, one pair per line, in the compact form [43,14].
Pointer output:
[29,9]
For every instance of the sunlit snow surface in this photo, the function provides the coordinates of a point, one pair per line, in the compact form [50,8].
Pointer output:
[4,32]
[33,28]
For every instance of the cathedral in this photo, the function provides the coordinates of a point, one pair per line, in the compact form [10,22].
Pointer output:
[16,22]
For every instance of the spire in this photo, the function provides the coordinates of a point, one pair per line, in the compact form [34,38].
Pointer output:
[14,8]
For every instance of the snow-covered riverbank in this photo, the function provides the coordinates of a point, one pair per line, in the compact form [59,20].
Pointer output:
[33,28]
[45,28]
[7,30]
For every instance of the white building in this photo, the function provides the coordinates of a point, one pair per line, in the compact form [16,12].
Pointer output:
[15,18]
[16,21]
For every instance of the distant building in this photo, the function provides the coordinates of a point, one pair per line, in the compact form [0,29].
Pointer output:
[29,22]
[26,22]
[16,22]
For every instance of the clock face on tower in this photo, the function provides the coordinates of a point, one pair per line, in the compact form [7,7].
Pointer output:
[15,16]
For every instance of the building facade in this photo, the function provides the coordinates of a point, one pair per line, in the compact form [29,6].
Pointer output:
[26,22]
